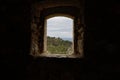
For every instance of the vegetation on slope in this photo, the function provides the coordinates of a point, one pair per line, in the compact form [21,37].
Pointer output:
[57,45]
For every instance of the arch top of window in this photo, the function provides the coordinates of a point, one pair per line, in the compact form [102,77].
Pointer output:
[59,14]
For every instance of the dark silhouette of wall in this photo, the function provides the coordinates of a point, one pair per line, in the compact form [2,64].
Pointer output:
[101,59]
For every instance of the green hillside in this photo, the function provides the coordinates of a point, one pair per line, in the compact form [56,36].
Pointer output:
[57,45]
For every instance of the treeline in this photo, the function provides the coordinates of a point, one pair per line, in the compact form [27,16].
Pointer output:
[57,45]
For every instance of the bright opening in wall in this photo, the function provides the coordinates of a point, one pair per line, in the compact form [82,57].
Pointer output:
[59,35]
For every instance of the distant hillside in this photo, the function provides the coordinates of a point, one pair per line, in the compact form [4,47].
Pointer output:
[58,45]
[69,39]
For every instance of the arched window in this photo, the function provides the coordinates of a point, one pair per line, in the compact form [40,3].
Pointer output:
[58,33]
[59,38]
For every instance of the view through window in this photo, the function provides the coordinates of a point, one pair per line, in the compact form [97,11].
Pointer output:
[60,35]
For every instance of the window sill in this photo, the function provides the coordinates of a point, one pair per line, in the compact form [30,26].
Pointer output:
[59,55]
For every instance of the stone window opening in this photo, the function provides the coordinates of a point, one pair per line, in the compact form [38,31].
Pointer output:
[39,33]
[63,32]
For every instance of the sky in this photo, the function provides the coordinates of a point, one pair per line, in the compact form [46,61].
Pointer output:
[60,27]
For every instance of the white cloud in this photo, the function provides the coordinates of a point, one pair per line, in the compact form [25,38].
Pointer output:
[60,34]
[60,27]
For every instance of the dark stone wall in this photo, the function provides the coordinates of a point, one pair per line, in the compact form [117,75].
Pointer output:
[102,38]
[102,31]
[101,45]
[14,38]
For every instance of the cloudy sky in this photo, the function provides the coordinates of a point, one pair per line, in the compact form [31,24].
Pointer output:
[60,27]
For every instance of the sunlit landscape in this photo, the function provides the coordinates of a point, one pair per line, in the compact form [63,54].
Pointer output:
[60,35]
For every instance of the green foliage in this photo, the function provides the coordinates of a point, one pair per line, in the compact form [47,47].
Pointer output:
[57,45]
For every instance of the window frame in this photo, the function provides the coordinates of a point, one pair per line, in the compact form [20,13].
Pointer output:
[45,35]
[37,47]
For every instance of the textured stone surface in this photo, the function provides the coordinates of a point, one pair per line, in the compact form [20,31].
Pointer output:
[42,10]
[101,45]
